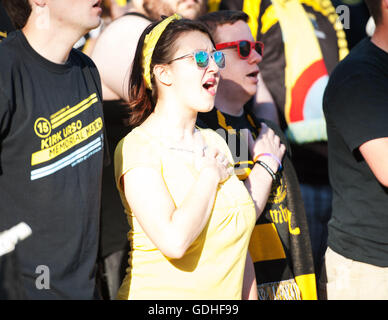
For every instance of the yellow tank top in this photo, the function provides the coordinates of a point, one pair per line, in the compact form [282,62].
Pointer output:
[213,266]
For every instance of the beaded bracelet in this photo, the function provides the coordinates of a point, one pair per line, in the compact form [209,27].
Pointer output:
[269,170]
[269,155]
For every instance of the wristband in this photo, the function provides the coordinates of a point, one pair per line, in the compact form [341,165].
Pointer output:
[269,170]
[269,155]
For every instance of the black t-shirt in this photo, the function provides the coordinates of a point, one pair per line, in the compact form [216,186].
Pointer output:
[51,157]
[5,23]
[356,110]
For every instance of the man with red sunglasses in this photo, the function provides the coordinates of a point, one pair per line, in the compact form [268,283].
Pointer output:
[280,244]
[304,42]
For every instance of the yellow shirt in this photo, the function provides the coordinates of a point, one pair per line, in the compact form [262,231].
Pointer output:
[213,266]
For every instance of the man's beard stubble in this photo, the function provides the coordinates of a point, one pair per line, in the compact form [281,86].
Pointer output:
[157,8]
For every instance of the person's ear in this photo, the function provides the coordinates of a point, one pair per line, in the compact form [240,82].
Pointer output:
[162,72]
[38,3]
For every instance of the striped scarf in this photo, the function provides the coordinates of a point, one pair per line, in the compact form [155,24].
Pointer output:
[280,245]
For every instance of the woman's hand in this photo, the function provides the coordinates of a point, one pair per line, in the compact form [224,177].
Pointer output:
[213,161]
[267,142]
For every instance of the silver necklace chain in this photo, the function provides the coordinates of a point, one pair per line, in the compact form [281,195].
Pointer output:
[181,149]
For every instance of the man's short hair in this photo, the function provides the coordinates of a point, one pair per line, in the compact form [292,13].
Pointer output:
[218,18]
[375,9]
[18,10]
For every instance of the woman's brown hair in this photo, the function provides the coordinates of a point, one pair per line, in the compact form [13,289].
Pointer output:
[142,100]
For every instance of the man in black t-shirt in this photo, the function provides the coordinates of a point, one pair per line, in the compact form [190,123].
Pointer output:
[51,146]
[280,245]
[356,110]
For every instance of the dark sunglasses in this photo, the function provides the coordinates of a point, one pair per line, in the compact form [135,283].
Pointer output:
[244,47]
[202,58]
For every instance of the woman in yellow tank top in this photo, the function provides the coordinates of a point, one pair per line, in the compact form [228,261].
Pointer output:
[191,218]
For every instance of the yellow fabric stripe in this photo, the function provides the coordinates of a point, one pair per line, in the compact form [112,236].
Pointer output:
[244,162]
[86,46]
[68,143]
[3,34]
[64,111]
[265,243]
[256,132]
[213,5]
[268,19]
[222,122]
[72,115]
[121,3]
[242,169]
[307,286]
[252,9]
[327,9]
[318,7]
[72,112]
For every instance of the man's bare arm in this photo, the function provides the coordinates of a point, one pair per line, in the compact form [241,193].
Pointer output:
[375,153]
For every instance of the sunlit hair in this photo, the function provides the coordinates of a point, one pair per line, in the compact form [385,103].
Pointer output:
[218,18]
[142,100]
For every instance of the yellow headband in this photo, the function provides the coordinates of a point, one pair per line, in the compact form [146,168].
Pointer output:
[149,45]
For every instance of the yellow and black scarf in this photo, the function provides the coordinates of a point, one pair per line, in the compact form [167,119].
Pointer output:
[280,244]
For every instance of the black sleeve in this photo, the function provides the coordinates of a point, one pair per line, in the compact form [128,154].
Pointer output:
[4,113]
[5,116]
[358,109]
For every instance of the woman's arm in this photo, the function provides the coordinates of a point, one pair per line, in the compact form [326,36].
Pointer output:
[173,229]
